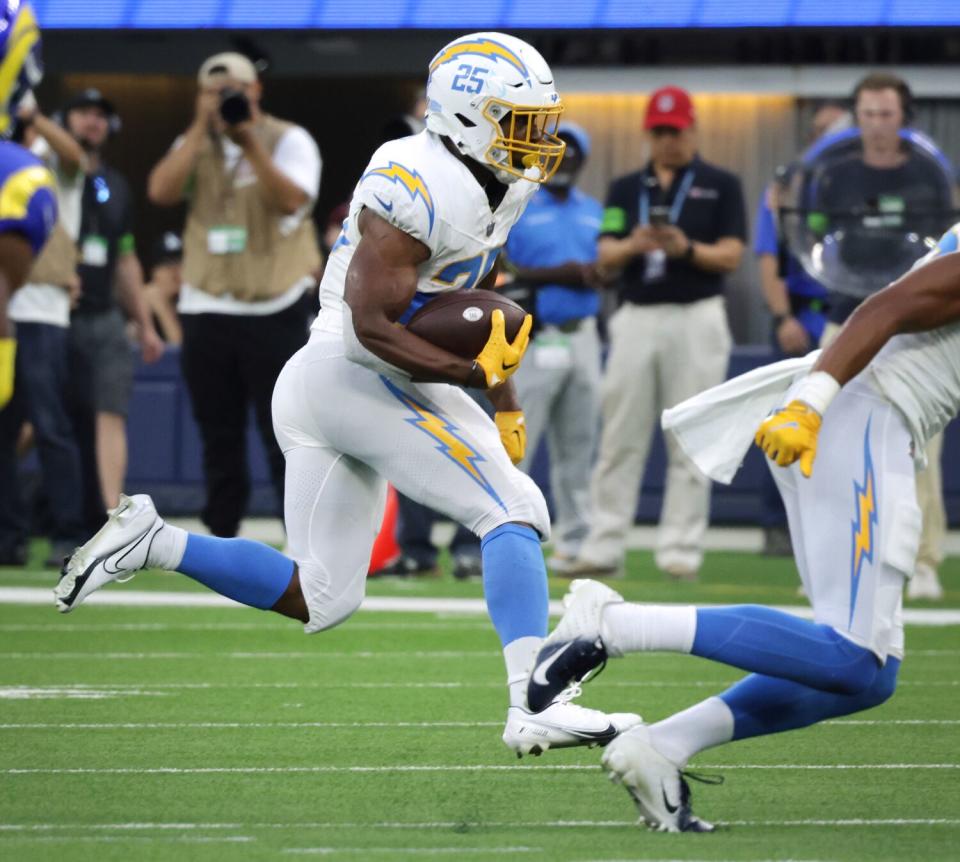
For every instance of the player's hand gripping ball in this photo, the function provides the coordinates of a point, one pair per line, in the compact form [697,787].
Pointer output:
[513,433]
[500,358]
[459,321]
[790,434]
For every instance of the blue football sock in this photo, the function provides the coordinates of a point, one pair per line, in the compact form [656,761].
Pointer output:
[774,643]
[248,572]
[763,704]
[515,582]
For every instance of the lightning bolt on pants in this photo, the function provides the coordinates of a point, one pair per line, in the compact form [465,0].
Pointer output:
[855,523]
[345,431]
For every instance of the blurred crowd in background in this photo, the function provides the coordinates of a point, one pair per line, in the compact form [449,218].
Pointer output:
[628,294]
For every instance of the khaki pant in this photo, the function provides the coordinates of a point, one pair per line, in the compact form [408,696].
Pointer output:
[559,390]
[929,488]
[659,356]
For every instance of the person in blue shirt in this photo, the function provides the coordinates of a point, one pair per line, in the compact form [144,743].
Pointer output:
[553,249]
[798,305]
[28,204]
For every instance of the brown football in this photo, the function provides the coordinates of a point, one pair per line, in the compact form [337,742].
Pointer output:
[460,321]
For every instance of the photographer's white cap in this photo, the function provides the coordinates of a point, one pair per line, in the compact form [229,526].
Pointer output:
[229,64]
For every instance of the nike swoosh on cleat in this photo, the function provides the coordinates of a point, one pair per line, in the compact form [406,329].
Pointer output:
[78,583]
[540,671]
[671,808]
[608,733]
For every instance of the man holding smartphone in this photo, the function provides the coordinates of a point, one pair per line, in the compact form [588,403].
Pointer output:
[670,233]
[249,248]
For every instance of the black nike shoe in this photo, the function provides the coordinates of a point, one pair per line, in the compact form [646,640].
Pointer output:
[574,649]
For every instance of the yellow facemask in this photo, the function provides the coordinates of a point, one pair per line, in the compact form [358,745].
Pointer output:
[529,139]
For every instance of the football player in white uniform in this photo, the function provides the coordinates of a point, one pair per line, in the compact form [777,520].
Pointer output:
[366,401]
[844,445]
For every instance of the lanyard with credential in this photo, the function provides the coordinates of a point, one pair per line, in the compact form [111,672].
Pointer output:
[678,201]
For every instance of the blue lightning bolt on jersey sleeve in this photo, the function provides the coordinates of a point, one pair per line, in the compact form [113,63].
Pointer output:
[397,192]
[28,200]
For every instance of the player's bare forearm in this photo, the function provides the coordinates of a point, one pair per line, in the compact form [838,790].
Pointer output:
[923,299]
[380,284]
[504,398]
[16,259]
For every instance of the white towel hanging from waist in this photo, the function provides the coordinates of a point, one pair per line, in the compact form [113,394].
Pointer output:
[715,428]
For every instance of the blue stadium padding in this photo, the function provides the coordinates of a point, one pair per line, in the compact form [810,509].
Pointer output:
[166,459]
[502,14]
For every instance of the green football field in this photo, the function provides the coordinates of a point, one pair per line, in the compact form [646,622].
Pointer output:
[215,733]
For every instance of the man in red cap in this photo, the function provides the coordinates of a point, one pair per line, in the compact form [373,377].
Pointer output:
[670,233]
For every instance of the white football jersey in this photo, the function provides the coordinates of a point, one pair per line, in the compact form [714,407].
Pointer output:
[919,373]
[420,187]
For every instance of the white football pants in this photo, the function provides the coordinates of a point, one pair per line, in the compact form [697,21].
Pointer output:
[345,432]
[855,524]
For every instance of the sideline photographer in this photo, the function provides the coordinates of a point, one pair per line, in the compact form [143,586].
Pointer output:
[250,181]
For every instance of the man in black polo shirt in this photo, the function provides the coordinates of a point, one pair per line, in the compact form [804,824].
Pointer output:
[672,231]
[101,363]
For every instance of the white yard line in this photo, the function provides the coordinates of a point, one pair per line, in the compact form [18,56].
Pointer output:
[81,690]
[408,851]
[305,654]
[234,725]
[57,624]
[360,725]
[243,770]
[392,604]
[440,824]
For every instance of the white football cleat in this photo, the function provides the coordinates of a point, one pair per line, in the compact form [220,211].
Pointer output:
[116,553]
[563,725]
[925,584]
[574,648]
[655,784]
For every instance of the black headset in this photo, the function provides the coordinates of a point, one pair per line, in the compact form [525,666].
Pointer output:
[883,82]
[90,97]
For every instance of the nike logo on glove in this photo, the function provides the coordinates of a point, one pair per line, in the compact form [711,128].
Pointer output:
[540,672]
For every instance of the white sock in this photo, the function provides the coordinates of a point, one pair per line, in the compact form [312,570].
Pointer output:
[628,627]
[519,656]
[703,725]
[167,548]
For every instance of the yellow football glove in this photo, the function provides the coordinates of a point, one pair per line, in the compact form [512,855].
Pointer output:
[8,356]
[790,434]
[499,358]
[513,433]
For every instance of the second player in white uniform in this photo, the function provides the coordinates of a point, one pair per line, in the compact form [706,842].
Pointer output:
[845,445]
[351,409]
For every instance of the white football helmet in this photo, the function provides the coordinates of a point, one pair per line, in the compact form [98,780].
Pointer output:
[493,96]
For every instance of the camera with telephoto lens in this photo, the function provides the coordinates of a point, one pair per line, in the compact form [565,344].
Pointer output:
[234,106]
